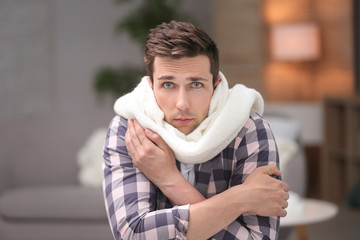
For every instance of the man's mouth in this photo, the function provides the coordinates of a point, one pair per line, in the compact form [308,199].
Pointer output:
[183,121]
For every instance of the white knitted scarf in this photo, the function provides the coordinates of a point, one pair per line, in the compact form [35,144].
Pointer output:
[228,112]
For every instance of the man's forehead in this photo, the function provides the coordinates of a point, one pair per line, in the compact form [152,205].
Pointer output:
[194,67]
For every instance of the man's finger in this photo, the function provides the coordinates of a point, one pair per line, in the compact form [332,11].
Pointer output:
[140,134]
[139,131]
[287,196]
[283,213]
[133,135]
[129,145]
[272,169]
[155,138]
[286,187]
[285,205]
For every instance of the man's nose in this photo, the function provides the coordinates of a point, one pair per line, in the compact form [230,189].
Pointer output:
[182,100]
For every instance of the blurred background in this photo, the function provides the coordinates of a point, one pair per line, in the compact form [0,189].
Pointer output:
[60,61]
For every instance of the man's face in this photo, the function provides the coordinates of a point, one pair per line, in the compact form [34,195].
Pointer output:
[183,89]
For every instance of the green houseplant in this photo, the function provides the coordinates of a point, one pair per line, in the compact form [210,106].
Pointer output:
[117,81]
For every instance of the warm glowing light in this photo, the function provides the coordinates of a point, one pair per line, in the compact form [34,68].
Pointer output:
[294,42]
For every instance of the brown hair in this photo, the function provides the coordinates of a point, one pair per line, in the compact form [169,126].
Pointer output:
[177,40]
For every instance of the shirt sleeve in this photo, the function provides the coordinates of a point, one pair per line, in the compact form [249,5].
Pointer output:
[131,199]
[256,147]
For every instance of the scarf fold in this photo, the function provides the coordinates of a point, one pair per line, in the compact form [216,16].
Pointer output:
[228,112]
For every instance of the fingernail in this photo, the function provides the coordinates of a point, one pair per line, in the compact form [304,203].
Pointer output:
[148,131]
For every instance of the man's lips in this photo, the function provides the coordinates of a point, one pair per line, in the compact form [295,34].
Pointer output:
[183,121]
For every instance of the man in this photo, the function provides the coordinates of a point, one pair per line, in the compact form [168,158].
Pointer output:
[186,158]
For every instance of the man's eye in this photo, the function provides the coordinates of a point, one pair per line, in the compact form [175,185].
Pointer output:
[168,85]
[197,85]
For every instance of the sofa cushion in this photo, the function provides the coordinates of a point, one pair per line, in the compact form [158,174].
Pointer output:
[53,203]
[284,127]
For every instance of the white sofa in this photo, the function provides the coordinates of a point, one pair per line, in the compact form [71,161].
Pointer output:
[54,211]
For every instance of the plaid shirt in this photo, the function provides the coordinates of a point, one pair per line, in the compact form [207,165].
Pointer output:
[137,209]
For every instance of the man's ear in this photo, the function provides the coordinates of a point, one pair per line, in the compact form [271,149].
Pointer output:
[150,82]
[218,80]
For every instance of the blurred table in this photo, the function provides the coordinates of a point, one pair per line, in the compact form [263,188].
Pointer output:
[308,211]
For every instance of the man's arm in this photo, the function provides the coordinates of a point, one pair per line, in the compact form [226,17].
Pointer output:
[255,146]
[132,201]
[259,195]
[207,217]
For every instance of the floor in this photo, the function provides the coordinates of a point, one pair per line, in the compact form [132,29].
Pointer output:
[345,226]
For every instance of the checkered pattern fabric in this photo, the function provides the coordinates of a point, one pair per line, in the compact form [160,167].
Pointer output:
[137,209]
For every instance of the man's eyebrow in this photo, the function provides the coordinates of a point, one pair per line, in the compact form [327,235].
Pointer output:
[170,78]
[196,79]
[166,77]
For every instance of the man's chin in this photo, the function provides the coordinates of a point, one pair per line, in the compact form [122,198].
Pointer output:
[185,130]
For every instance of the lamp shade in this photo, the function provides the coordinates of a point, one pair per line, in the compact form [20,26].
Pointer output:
[294,42]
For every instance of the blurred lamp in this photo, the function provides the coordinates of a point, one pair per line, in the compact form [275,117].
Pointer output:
[294,42]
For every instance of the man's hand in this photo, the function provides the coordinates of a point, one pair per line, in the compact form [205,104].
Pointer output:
[268,196]
[150,154]
[153,157]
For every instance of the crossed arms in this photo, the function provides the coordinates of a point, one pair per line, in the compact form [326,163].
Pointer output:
[132,199]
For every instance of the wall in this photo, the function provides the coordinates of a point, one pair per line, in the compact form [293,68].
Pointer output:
[47,128]
[238,30]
